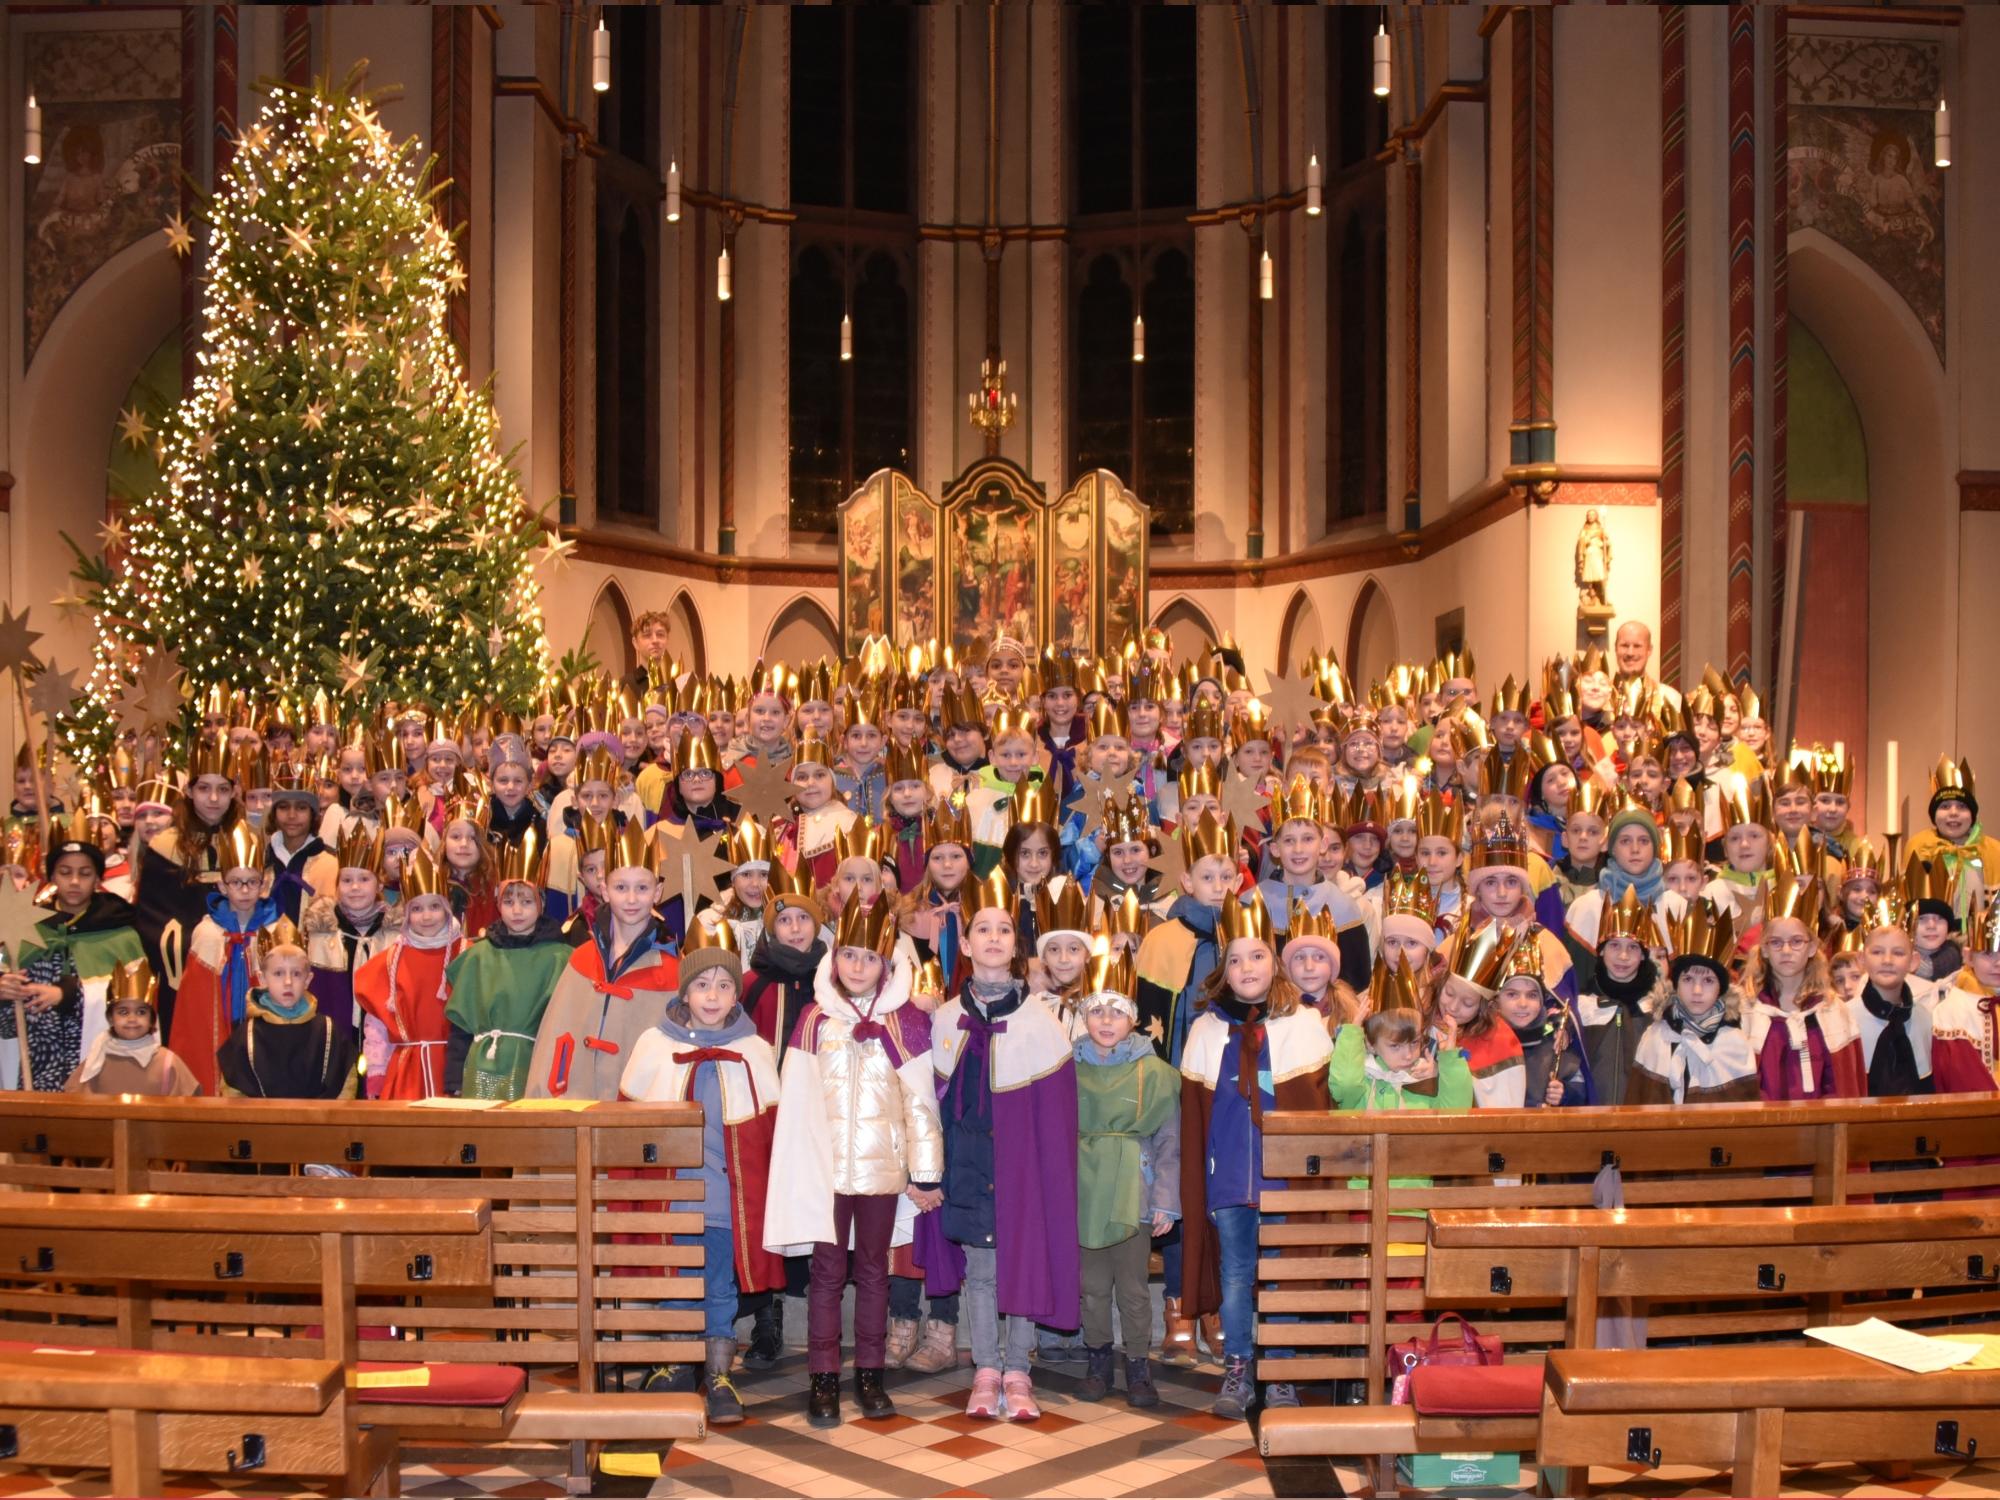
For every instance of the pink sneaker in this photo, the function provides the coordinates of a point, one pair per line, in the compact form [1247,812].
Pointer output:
[985,1400]
[1020,1397]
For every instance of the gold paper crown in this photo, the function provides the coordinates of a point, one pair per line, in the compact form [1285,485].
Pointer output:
[240,848]
[1454,664]
[595,835]
[1590,797]
[133,980]
[1247,919]
[1832,772]
[1479,955]
[863,712]
[1508,698]
[1009,719]
[1850,940]
[872,926]
[1208,837]
[775,680]
[1745,801]
[961,707]
[1929,880]
[1954,779]
[1407,893]
[718,935]
[902,763]
[632,848]
[1033,802]
[994,893]
[1526,959]
[949,824]
[1629,917]
[1440,819]
[1059,671]
[361,849]
[404,815]
[1703,931]
[598,765]
[1678,844]
[1108,718]
[1402,798]
[1864,862]
[1301,802]
[1112,974]
[1393,987]
[1203,723]
[209,756]
[424,874]
[786,882]
[524,859]
[749,842]
[813,751]
[1303,924]
[1795,895]
[1067,911]
[1125,914]
[283,933]
[1982,925]
[1198,781]
[696,752]
[1510,778]
[864,838]
[1500,847]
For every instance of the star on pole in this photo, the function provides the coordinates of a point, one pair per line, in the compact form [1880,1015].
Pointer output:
[1169,862]
[1242,801]
[132,427]
[765,791]
[179,240]
[53,692]
[1291,700]
[154,695]
[15,639]
[20,918]
[690,866]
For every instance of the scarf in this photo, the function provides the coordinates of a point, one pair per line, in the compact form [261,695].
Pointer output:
[1703,1028]
[787,964]
[444,937]
[1893,1068]
[1131,1049]
[299,1010]
[1249,1015]
[1614,882]
[983,1017]
[1956,856]
[106,1045]
[235,976]
[1630,994]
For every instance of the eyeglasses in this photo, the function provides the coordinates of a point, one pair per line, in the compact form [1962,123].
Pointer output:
[1787,944]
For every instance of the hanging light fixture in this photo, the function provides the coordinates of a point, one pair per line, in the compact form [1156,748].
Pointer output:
[600,57]
[1315,186]
[1138,339]
[1943,130]
[673,192]
[31,133]
[1382,59]
[722,287]
[1266,280]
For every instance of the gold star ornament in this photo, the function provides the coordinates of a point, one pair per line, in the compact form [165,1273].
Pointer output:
[179,240]
[15,640]
[132,427]
[19,920]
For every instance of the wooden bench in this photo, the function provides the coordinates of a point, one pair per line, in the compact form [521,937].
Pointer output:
[594,1272]
[143,1415]
[1340,1246]
[1757,1411]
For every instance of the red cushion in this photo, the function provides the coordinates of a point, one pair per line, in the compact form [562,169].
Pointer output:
[1477,1390]
[450,1385]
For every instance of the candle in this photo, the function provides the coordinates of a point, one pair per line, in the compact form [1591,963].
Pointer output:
[1894,824]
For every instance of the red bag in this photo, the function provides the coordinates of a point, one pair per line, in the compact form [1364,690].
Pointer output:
[1471,1348]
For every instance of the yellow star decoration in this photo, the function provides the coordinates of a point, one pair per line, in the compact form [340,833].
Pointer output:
[132,427]
[112,534]
[354,330]
[313,418]
[15,639]
[225,401]
[454,278]
[204,445]
[253,572]
[187,571]
[179,240]
[356,673]
[255,138]
[299,239]
[338,518]
[480,537]
[406,371]
[385,278]
[556,550]
[246,306]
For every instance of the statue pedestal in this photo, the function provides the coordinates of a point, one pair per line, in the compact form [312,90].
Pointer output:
[1593,624]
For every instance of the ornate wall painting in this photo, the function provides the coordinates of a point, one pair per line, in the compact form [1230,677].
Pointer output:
[916,541]
[1860,159]
[863,588]
[111,129]
[1126,525]
[995,526]
[1073,573]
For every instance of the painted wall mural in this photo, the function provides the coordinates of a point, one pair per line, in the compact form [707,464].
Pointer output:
[111,110]
[1860,160]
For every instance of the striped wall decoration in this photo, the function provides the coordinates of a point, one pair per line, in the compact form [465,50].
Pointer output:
[1413,323]
[451,141]
[1673,331]
[190,265]
[297,45]
[225,89]
[1742,334]
[1779,230]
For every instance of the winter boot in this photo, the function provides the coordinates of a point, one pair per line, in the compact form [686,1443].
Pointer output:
[725,1407]
[1139,1388]
[1210,1325]
[767,1335]
[870,1397]
[1239,1390]
[1097,1375]
[938,1351]
[902,1342]
[823,1406]
[1177,1347]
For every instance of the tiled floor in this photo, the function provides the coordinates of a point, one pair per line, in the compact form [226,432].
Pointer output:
[932,1449]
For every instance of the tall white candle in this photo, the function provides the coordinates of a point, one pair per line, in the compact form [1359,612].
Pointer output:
[1894,822]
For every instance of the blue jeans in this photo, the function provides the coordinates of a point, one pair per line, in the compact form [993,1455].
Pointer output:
[1236,1236]
[718,1291]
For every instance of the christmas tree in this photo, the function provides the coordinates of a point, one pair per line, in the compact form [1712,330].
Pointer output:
[333,510]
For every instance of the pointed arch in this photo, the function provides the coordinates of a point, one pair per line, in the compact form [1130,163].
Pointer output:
[687,643]
[1301,632]
[1371,636]
[1189,629]
[610,625]
[800,632]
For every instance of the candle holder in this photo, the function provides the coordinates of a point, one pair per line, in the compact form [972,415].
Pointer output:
[991,408]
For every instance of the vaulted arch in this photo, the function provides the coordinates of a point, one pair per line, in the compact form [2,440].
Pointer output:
[687,644]
[802,631]
[1301,631]
[1371,636]
[1189,630]
[610,626]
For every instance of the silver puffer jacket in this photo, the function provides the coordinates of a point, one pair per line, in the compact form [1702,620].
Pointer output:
[884,1121]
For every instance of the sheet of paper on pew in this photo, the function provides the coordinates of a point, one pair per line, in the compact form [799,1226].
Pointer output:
[1896,1346]
[551,1104]
[1987,1345]
[446,1101]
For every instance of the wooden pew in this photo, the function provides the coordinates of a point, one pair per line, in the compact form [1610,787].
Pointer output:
[585,1277]
[1756,1411]
[143,1415]
[1337,1249]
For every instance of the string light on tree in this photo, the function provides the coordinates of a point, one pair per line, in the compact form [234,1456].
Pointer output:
[320,474]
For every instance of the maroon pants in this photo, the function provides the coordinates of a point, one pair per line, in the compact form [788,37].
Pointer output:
[872,1218]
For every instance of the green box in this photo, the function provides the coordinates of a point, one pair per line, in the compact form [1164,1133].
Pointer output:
[1460,1471]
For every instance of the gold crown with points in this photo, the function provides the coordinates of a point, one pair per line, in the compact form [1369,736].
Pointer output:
[1703,930]
[901,763]
[1125,914]
[524,860]
[595,835]
[949,823]
[1247,919]
[1407,893]
[424,874]
[1393,987]
[133,980]
[1479,955]
[361,849]
[1949,778]
[719,935]
[994,893]
[1206,837]
[283,933]
[1439,818]
[1629,917]
[1068,910]
[749,842]
[1303,924]
[241,848]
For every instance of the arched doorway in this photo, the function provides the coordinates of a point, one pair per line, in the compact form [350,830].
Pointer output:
[610,629]
[1302,632]
[1190,632]
[802,632]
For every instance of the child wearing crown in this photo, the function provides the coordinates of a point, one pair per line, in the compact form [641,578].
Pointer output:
[1695,1050]
[302,866]
[284,1048]
[857,1150]
[222,962]
[126,1057]
[1621,996]
[906,807]
[1253,1048]
[1128,1175]
[863,782]
[1296,880]
[928,913]
[808,836]
[180,869]
[403,989]
[1956,838]
[502,983]
[1062,951]
[1965,1022]
[1806,1043]
[748,848]
[992,806]
[705,1050]
[343,931]
[595,796]
[1466,1016]
[1008,1104]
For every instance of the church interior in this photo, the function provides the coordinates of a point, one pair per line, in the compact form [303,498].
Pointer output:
[1475,430]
